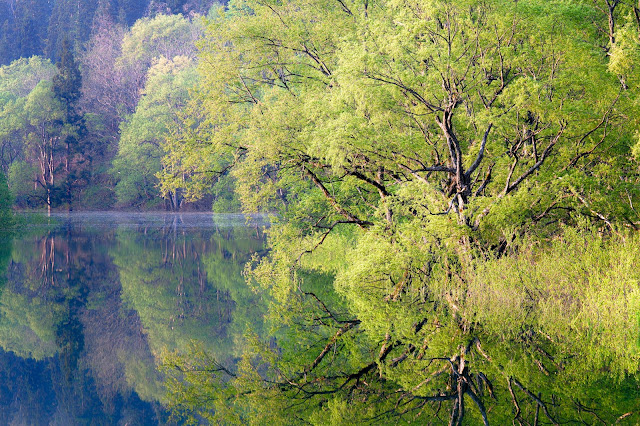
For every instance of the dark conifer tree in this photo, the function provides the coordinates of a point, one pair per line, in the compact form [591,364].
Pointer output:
[68,82]
[131,10]
[6,35]
[30,19]
[70,20]
[66,87]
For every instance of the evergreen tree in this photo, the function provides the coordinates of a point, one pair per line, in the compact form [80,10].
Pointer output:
[66,88]
[72,21]
[6,36]
[30,27]
[68,82]
[129,11]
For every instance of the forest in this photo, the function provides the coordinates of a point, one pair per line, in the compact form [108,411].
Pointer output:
[87,102]
[452,190]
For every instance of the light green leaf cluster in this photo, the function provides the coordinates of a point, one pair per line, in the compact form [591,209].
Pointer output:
[21,76]
[29,325]
[579,286]
[145,132]
[625,53]
[162,35]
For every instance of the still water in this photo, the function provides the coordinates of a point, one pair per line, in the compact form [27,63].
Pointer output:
[90,302]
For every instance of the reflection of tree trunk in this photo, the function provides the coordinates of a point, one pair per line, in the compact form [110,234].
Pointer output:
[47,260]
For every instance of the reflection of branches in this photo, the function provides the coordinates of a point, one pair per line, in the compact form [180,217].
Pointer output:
[326,309]
[329,345]
[324,237]
[537,399]
[214,367]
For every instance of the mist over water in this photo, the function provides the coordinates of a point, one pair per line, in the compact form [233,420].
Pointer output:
[195,220]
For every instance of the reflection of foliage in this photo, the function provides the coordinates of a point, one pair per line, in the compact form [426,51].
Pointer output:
[204,387]
[185,288]
[520,353]
[31,307]
[27,325]
[163,281]
[224,262]
[61,310]
[24,398]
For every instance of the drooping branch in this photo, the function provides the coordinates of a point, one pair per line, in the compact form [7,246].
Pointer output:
[483,411]
[331,314]
[539,401]
[329,345]
[334,203]
[323,238]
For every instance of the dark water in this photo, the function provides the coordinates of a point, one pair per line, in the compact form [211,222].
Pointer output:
[89,304]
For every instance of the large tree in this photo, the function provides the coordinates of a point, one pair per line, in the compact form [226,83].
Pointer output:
[66,88]
[17,80]
[402,143]
[145,132]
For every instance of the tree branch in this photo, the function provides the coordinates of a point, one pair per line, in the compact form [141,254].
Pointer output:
[334,203]
[480,155]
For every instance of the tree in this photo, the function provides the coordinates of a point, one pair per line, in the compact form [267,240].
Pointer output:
[38,118]
[66,88]
[145,133]
[103,89]
[17,80]
[31,20]
[165,36]
[70,23]
[402,144]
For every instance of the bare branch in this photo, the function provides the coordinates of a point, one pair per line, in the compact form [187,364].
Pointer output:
[480,155]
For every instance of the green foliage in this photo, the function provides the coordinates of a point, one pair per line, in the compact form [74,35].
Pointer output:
[145,132]
[413,153]
[6,200]
[22,178]
[150,39]
[97,197]
[581,285]
[22,75]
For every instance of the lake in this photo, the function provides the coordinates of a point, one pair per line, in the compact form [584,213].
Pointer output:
[91,301]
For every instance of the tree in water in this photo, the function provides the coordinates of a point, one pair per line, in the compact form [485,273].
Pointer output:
[405,146]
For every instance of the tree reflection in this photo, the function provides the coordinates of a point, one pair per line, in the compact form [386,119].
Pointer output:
[86,313]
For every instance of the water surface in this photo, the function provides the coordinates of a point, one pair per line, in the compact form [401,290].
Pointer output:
[91,301]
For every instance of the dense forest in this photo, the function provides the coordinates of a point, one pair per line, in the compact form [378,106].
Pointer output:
[453,189]
[87,100]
